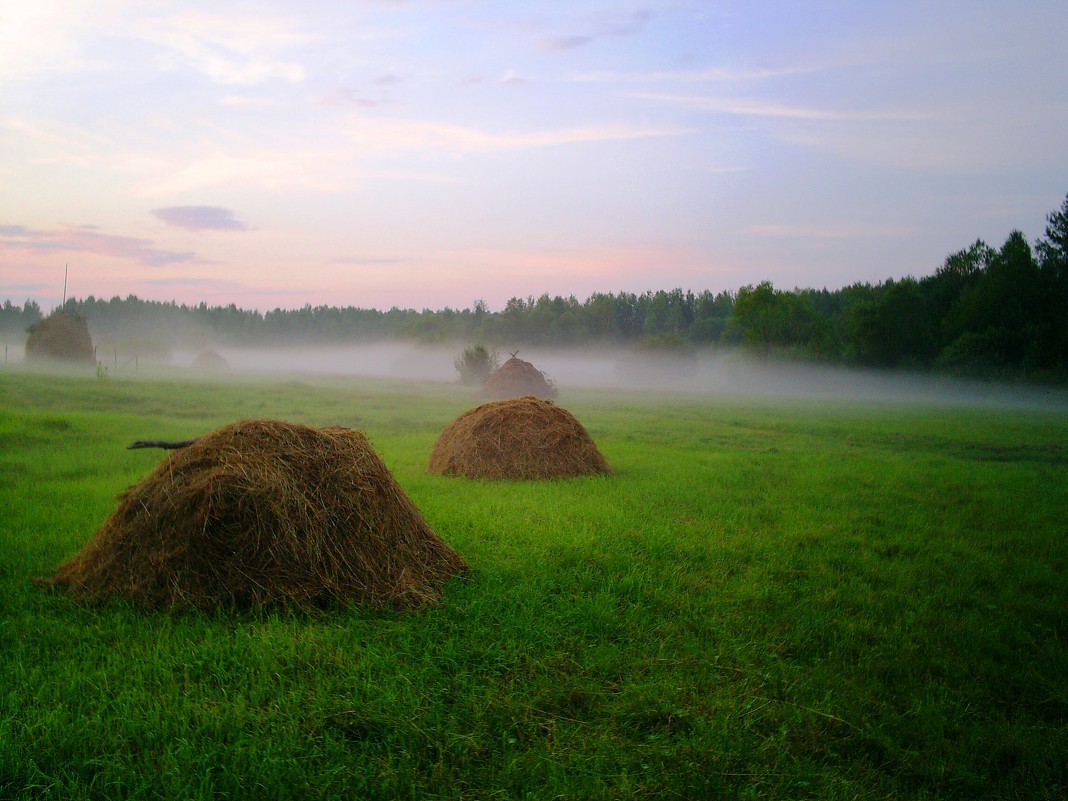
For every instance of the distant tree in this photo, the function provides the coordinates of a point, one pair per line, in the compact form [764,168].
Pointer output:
[1053,264]
[758,315]
[14,320]
[711,313]
[997,324]
[629,315]
[893,328]
[477,321]
[959,272]
[476,364]
[765,317]
[1053,249]
[600,314]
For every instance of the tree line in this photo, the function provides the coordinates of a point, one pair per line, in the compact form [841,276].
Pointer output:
[994,312]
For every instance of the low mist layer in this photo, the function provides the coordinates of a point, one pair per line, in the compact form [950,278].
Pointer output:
[711,372]
[714,373]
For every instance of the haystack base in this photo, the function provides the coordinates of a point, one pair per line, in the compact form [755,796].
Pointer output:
[265,514]
[522,438]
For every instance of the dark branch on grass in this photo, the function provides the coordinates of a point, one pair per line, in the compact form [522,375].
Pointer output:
[157,443]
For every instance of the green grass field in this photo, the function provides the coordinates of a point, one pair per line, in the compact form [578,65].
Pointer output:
[768,599]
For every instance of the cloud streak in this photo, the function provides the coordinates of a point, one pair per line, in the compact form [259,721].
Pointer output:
[200,218]
[400,135]
[270,169]
[758,107]
[243,52]
[837,231]
[617,27]
[86,239]
[699,75]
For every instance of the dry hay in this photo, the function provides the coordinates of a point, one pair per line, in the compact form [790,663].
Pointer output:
[210,360]
[60,336]
[265,514]
[519,438]
[517,378]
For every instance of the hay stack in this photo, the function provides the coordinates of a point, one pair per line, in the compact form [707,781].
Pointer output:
[516,379]
[62,336]
[519,438]
[264,514]
[210,360]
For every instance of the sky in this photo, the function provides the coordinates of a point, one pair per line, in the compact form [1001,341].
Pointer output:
[430,153]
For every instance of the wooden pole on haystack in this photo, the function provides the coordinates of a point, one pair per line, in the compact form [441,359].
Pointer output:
[64,286]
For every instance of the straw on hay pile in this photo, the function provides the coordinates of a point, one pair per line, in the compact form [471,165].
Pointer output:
[210,360]
[265,514]
[60,336]
[521,438]
[517,378]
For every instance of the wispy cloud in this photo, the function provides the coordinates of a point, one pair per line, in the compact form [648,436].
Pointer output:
[341,97]
[43,38]
[365,261]
[834,231]
[87,239]
[631,24]
[193,282]
[271,169]
[565,42]
[511,78]
[228,50]
[961,138]
[698,75]
[614,26]
[250,102]
[400,135]
[759,107]
[51,142]
[200,218]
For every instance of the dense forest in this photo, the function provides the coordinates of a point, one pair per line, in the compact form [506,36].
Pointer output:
[987,312]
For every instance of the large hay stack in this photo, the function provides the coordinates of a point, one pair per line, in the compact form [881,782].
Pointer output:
[522,438]
[62,336]
[210,360]
[516,379]
[265,514]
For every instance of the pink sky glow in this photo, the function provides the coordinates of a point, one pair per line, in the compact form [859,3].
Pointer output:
[428,154]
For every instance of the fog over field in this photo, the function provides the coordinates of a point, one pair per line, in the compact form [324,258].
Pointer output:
[715,373]
[725,373]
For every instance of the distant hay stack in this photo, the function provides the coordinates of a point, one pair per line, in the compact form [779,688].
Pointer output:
[210,360]
[521,438]
[516,379]
[62,336]
[265,514]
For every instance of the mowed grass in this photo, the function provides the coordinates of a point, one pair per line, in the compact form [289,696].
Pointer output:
[767,599]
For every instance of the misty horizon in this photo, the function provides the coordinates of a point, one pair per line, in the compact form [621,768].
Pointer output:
[725,373]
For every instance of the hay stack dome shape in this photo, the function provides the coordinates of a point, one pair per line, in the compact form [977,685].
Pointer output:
[61,336]
[517,378]
[265,514]
[210,360]
[521,438]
